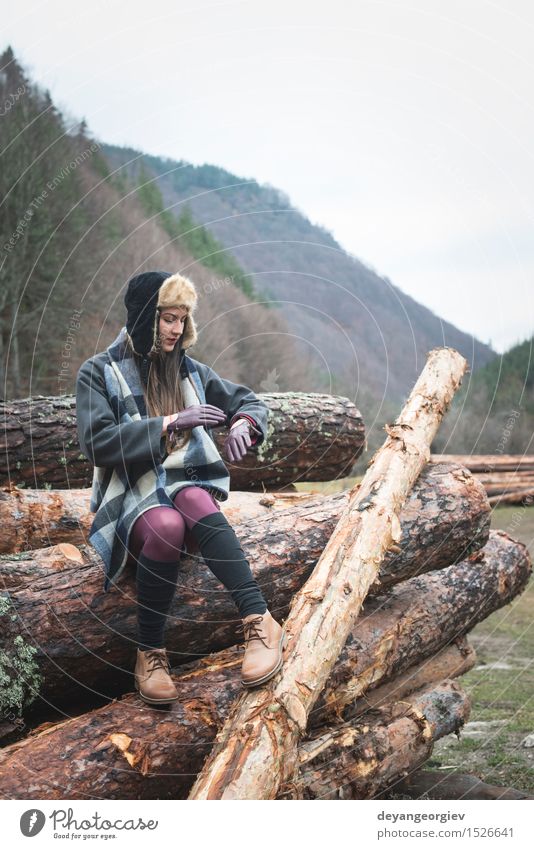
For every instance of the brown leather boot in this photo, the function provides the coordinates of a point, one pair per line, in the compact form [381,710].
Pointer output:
[264,642]
[152,677]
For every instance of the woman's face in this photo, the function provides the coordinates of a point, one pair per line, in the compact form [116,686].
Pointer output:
[171,325]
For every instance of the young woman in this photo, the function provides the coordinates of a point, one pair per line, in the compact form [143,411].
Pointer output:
[145,414]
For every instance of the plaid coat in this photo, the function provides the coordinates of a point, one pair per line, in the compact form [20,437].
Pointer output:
[132,471]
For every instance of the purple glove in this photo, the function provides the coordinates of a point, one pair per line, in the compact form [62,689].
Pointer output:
[238,441]
[205,415]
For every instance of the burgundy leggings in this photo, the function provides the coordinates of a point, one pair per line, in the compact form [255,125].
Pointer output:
[156,542]
[161,531]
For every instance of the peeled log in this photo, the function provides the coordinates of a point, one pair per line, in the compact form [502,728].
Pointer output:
[127,750]
[311,437]
[360,759]
[256,749]
[86,638]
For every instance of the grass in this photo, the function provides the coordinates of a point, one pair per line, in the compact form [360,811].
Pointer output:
[501,685]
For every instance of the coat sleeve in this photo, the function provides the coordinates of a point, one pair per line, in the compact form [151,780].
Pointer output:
[235,399]
[102,440]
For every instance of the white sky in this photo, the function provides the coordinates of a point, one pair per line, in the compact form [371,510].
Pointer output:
[405,128]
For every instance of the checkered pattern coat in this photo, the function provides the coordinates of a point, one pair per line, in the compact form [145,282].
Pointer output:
[132,471]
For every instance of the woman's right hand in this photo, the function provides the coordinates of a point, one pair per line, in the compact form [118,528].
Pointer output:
[199,414]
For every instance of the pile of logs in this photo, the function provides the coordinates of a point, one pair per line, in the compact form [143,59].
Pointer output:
[507,478]
[378,588]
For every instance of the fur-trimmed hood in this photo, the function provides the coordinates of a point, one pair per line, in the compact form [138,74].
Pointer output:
[146,296]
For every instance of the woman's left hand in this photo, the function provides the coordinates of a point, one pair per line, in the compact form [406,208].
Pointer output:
[238,441]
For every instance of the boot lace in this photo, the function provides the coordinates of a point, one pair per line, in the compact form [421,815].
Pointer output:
[157,660]
[250,630]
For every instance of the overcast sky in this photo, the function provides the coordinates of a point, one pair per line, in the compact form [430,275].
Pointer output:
[404,128]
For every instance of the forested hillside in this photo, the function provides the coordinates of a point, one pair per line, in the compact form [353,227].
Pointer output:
[493,412]
[71,235]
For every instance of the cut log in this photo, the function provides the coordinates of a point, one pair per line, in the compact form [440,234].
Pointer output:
[315,437]
[358,760]
[488,462]
[256,750]
[449,662]
[504,480]
[500,489]
[510,476]
[35,518]
[430,610]
[85,638]
[431,784]
[523,496]
[127,750]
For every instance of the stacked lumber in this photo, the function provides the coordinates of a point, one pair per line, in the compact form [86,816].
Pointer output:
[507,478]
[378,587]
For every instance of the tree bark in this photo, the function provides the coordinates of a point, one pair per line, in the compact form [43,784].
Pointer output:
[415,619]
[324,612]
[128,750]
[312,438]
[85,638]
[358,760]
[451,661]
[35,518]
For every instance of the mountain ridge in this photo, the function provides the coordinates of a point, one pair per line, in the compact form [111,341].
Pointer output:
[367,332]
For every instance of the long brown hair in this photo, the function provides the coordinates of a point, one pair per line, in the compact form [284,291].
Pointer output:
[163,392]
